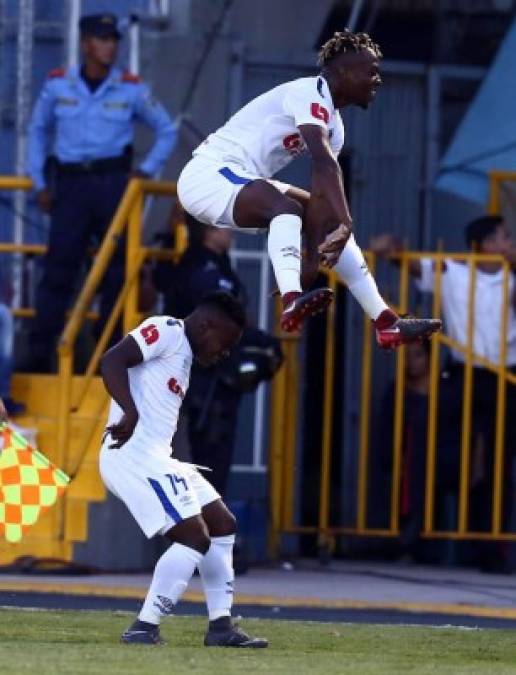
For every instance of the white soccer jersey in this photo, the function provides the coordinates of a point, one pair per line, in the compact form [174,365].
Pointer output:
[263,137]
[488,308]
[158,384]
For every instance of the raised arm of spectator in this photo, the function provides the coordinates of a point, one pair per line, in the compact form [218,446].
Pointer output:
[154,115]
[511,258]
[386,245]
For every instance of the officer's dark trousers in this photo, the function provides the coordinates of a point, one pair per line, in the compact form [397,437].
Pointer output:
[84,205]
[491,556]
[212,422]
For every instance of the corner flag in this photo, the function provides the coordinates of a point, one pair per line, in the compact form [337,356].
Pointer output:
[29,484]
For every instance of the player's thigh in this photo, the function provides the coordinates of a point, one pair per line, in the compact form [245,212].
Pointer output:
[259,202]
[219,519]
[159,495]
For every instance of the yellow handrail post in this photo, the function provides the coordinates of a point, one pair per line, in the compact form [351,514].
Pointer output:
[467,402]
[433,404]
[276,436]
[365,414]
[133,246]
[65,356]
[290,428]
[399,406]
[500,409]
[327,432]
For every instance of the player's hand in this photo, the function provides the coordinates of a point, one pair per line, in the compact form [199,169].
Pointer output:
[122,431]
[3,412]
[44,199]
[333,245]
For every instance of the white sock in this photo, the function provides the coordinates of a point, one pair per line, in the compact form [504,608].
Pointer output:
[172,573]
[216,570]
[353,270]
[284,246]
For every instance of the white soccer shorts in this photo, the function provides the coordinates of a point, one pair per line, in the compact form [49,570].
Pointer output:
[208,189]
[159,491]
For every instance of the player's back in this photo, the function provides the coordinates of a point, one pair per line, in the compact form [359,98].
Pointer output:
[263,135]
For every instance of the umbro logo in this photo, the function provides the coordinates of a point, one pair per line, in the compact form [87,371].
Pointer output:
[291,252]
[165,605]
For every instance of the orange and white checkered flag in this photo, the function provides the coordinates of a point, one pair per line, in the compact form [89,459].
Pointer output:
[29,484]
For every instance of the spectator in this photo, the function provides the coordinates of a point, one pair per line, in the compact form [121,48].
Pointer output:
[414,444]
[489,235]
[92,110]
[213,398]
[3,412]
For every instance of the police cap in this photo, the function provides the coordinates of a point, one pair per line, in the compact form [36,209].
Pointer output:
[100,25]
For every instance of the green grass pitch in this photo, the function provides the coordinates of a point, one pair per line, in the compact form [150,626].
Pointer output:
[86,643]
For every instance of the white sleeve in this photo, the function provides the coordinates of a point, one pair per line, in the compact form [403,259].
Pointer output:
[304,103]
[426,282]
[158,334]
[337,135]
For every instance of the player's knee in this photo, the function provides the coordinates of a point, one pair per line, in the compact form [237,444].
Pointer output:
[192,533]
[224,526]
[228,524]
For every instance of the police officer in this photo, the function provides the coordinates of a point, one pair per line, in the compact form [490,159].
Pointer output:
[92,110]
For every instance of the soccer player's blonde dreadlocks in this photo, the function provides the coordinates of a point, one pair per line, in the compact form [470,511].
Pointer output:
[346,41]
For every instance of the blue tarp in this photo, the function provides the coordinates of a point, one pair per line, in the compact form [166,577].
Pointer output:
[486,137]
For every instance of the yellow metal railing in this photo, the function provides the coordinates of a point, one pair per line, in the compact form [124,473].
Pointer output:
[126,221]
[283,473]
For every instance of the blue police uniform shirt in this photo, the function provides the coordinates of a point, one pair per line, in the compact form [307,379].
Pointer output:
[94,125]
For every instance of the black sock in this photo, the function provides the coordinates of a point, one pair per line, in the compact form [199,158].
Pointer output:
[222,623]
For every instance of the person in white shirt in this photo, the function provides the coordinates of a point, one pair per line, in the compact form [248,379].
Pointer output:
[147,376]
[229,183]
[490,235]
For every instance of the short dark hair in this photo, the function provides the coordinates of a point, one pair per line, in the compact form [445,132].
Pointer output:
[346,41]
[479,229]
[227,304]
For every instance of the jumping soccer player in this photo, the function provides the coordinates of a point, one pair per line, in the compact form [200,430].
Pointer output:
[228,182]
[147,375]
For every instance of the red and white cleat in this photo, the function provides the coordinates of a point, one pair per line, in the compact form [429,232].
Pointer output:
[393,330]
[300,306]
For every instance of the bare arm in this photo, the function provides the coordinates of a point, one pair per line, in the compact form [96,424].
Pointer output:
[114,370]
[328,210]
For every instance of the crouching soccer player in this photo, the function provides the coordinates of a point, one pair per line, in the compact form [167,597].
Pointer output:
[147,375]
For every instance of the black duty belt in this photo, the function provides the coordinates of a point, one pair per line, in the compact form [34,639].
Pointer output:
[104,165]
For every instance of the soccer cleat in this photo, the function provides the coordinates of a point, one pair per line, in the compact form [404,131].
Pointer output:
[141,633]
[225,633]
[299,306]
[393,331]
